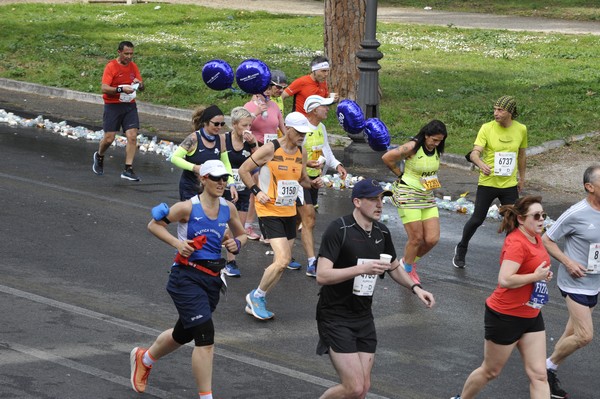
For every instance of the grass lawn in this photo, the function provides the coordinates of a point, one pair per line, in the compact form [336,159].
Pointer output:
[445,73]
[583,10]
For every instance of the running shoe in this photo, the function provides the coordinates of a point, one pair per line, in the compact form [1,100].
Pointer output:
[98,165]
[251,233]
[249,311]
[129,174]
[232,270]
[139,371]
[412,271]
[294,265]
[455,397]
[555,389]
[258,306]
[459,257]
[311,269]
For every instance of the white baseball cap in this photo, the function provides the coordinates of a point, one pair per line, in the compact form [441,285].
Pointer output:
[299,122]
[214,168]
[312,102]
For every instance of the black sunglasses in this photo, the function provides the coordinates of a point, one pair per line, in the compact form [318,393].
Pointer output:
[537,216]
[218,123]
[219,178]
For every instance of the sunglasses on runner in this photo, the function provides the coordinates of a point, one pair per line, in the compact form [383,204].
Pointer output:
[218,123]
[217,179]
[537,216]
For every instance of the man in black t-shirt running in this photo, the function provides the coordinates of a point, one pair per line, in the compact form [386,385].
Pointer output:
[348,265]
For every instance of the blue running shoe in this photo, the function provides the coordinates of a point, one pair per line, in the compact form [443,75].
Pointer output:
[311,269]
[232,270]
[249,311]
[258,306]
[294,265]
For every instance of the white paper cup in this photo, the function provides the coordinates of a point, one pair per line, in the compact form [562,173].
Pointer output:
[385,258]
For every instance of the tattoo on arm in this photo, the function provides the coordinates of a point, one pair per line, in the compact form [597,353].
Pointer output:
[189,142]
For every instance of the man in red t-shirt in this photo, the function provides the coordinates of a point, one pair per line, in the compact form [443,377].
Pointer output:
[313,83]
[120,82]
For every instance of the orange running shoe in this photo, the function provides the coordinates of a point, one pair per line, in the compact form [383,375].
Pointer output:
[139,371]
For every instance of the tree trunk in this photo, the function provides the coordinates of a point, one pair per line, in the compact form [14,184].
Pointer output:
[344,31]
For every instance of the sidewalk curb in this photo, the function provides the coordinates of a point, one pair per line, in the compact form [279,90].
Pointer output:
[452,160]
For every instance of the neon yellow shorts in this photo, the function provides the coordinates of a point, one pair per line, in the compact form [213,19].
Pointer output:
[416,215]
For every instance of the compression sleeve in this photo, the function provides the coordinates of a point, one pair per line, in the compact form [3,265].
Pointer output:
[178,159]
[225,160]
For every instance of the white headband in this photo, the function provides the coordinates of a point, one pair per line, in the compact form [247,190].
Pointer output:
[321,65]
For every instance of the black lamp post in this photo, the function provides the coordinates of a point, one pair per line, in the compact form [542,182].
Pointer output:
[368,88]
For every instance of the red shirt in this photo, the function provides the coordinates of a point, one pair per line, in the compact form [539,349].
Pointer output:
[302,88]
[116,74]
[517,248]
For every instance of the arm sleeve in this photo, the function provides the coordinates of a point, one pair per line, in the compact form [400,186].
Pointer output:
[178,160]
[330,159]
[225,159]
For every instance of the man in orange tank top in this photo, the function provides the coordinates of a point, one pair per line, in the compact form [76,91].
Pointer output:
[282,168]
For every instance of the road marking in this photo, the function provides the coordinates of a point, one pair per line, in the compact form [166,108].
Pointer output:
[96,372]
[152,332]
[74,191]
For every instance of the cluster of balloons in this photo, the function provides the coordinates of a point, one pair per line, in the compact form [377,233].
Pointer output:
[352,120]
[252,76]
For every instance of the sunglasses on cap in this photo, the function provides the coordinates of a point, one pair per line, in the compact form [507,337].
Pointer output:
[217,179]
[217,123]
[537,216]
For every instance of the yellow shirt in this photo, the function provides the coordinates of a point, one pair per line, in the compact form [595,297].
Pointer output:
[501,148]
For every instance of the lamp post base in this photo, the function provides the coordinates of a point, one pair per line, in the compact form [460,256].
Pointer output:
[361,155]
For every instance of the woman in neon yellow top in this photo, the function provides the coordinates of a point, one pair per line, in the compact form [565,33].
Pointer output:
[413,191]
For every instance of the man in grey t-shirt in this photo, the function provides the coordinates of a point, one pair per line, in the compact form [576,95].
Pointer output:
[578,273]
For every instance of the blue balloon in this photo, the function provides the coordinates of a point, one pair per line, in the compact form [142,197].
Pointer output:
[217,74]
[378,136]
[350,116]
[253,76]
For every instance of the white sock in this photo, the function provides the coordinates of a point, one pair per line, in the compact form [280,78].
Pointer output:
[205,395]
[550,365]
[147,359]
[311,259]
[259,293]
[246,225]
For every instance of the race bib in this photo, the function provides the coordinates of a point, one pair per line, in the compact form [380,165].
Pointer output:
[593,266]
[268,137]
[364,284]
[539,296]
[504,163]
[287,192]
[237,181]
[430,182]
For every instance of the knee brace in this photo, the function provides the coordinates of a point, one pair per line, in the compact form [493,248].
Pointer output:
[181,335]
[204,334]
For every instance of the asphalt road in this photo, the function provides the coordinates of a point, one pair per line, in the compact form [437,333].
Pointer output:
[83,282]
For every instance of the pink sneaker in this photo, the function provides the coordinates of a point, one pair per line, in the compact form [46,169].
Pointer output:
[251,233]
[139,371]
[412,273]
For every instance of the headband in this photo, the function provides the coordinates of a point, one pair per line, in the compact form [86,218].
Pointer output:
[210,113]
[320,65]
